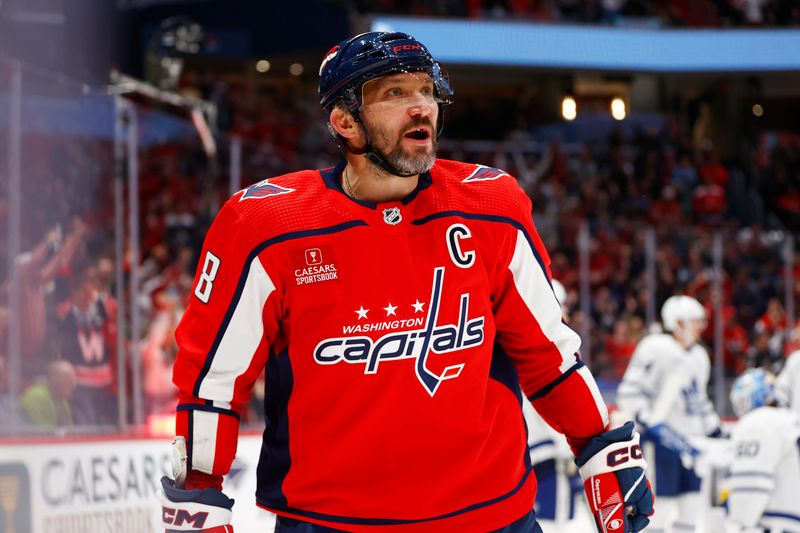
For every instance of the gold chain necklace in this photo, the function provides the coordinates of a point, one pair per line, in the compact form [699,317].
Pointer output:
[347,187]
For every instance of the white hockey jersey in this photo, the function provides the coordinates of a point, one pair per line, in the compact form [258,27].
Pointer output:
[787,386]
[765,474]
[665,383]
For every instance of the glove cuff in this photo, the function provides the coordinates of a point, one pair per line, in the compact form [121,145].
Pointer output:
[193,510]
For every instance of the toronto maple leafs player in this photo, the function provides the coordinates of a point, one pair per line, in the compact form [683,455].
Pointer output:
[764,482]
[787,386]
[664,388]
[403,310]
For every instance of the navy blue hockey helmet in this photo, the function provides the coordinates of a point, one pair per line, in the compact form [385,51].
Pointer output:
[355,61]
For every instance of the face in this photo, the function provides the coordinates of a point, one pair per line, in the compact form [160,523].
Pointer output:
[691,331]
[62,380]
[400,113]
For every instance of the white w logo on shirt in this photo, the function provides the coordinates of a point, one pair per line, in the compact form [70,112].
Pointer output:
[91,346]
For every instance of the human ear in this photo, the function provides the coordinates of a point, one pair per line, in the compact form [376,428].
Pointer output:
[344,124]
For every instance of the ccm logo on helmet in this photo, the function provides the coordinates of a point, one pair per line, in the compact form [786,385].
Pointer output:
[623,455]
[178,517]
[405,47]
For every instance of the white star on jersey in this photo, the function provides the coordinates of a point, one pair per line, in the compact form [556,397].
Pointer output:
[362,313]
[390,309]
[418,306]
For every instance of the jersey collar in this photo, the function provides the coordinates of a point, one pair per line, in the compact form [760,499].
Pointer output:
[332,178]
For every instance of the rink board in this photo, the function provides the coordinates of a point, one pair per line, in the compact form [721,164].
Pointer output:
[108,486]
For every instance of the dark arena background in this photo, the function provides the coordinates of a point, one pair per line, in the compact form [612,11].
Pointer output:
[658,140]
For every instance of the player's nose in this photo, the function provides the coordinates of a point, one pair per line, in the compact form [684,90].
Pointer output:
[421,107]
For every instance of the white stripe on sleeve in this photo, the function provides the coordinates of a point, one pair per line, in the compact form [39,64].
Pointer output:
[532,285]
[204,440]
[241,337]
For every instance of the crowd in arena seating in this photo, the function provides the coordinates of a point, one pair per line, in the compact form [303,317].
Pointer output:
[666,13]
[658,179]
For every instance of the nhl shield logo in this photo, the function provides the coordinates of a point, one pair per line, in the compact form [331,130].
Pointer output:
[392,215]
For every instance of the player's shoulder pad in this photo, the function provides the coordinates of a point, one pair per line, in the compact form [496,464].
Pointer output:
[700,352]
[276,204]
[483,187]
[759,423]
[656,343]
[285,188]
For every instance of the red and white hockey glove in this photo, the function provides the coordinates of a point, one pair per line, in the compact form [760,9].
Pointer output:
[195,510]
[612,468]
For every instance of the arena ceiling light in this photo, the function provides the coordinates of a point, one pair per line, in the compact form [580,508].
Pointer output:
[569,108]
[618,110]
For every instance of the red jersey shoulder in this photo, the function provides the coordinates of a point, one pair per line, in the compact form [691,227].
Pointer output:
[478,188]
[284,204]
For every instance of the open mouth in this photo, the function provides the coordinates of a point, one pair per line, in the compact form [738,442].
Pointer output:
[418,135]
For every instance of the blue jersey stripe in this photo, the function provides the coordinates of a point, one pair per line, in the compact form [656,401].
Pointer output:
[207,408]
[785,516]
[752,474]
[394,521]
[544,391]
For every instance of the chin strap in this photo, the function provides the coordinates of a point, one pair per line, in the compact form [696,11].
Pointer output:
[377,160]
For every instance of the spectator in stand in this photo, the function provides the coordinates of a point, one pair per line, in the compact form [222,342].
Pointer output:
[87,341]
[666,210]
[762,355]
[36,270]
[47,404]
[735,342]
[158,353]
[684,178]
[773,323]
[788,205]
[709,202]
[621,344]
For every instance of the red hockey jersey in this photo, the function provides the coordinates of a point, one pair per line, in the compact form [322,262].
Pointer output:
[399,341]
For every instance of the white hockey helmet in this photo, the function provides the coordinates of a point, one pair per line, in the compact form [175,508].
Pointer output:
[680,309]
[752,389]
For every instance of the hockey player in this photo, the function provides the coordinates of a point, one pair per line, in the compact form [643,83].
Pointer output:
[664,387]
[764,478]
[398,302]
[787,386]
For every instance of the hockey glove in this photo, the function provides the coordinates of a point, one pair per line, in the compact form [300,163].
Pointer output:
[612,469]
[673,439]
[195,510]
